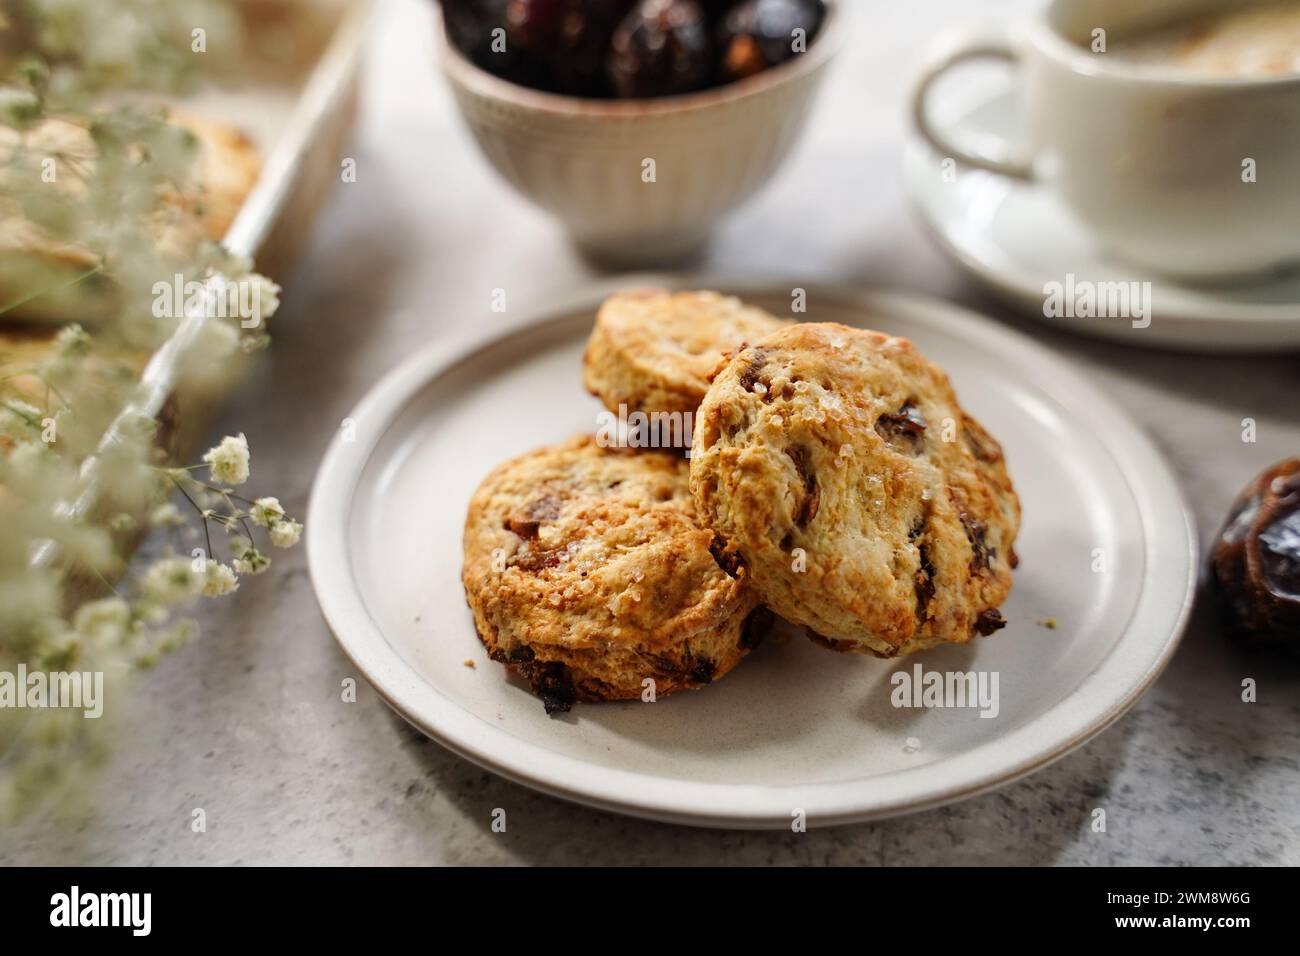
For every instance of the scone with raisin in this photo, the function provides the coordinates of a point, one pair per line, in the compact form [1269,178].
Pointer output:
[838,468]
[588,573]
[654,351]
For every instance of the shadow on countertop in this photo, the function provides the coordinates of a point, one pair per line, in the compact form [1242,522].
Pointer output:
[1030,822]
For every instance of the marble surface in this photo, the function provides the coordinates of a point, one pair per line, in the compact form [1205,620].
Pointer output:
[247,723]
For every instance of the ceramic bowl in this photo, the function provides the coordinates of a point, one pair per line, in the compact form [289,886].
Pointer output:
[640,182]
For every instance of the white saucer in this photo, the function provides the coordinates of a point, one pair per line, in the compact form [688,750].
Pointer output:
[1015,237]
[794,727]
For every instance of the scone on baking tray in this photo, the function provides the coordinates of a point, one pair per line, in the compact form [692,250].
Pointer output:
[33,261]
[866,505]
[24,349]
[654,351]
[589,575]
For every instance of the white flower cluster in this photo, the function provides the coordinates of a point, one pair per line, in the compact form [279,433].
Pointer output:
[63,64]
[228,461]
[174,579]
[284,531]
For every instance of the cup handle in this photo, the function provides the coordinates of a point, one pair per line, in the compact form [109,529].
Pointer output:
[953,48]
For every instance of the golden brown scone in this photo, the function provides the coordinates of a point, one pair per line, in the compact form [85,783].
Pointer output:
[224,174]
[587,573]
[836,464]
[112,370]
[33,261]
[655,351]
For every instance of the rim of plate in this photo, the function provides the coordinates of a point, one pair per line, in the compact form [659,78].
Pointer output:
[1019,285]
[1149,639]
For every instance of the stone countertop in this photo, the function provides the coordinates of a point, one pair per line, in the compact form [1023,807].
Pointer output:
[247,724]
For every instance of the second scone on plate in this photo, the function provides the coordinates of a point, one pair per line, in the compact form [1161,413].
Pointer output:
[654,351]
[589,575]
[866,505]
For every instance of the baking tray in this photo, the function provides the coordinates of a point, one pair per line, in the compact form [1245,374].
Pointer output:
[298,102]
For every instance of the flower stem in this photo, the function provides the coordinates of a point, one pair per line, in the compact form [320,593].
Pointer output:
[207,534]
[54,288]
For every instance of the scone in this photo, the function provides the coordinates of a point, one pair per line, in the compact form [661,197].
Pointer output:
[588,574]
[225,172]
[654,351]
[838,468]
[50,278]
[109,373]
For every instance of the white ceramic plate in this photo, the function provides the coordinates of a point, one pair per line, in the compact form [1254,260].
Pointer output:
[1015,237]
[795,727]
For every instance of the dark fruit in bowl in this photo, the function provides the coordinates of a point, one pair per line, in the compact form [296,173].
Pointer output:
[1257,559]
[629,48]
[661,48]
[470,24]
[581,49]
[480,30]
[715,9]
[758,34]
[534,25]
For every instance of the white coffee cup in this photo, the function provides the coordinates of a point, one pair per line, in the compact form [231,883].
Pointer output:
[1157,162]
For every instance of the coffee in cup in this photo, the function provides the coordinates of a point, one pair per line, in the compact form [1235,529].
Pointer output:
[1169,128]
[1252,41]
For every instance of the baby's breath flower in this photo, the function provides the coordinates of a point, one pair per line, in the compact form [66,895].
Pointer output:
[166,515]
[218,579]
[218,340]
[29,463]
[267,511]
[62,651]
[29,605]
[251,561]
[229,460]
[122,522]
[72,341]
[34,71]
[254,343]
[152,614]
[168,640]
[64,419]
[104,620]
[107,202]
[285,533]
[179,634]
[170,580]
[266,298]
[139,428]
[18,107]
